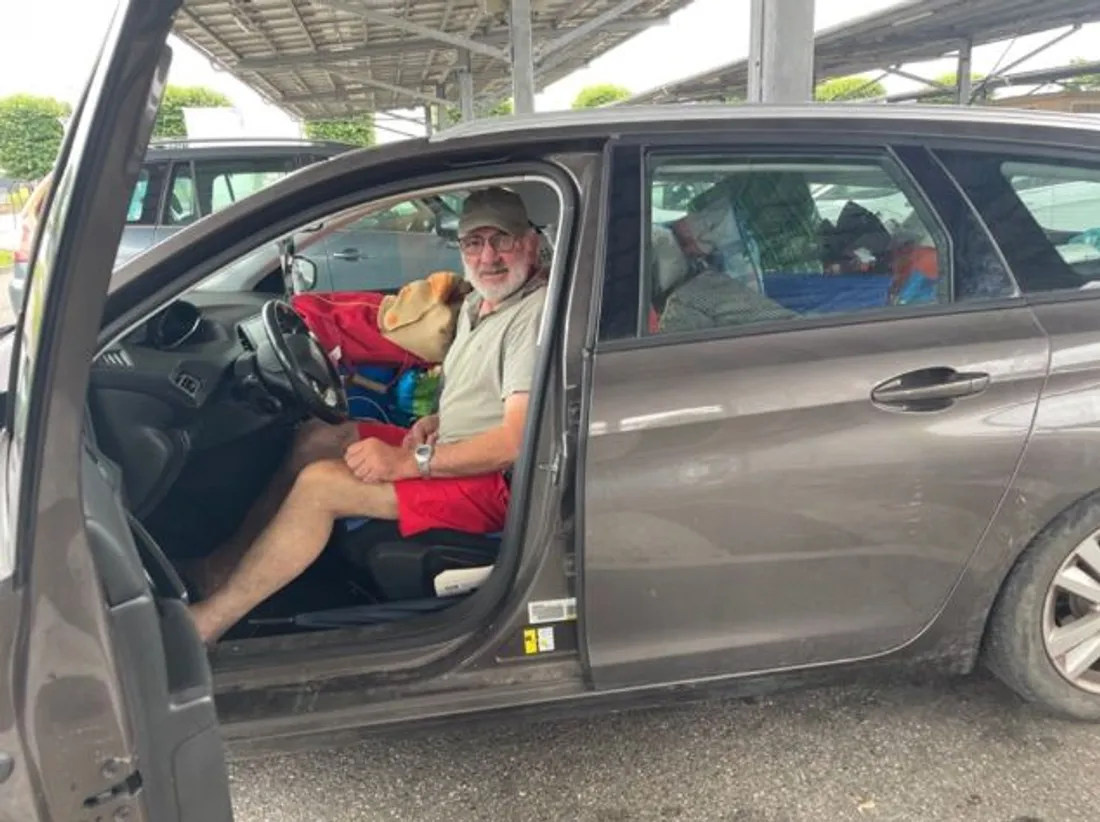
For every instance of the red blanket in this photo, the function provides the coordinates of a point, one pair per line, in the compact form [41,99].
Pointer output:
[346,322]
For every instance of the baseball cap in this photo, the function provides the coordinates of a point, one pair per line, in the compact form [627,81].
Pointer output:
[494,207]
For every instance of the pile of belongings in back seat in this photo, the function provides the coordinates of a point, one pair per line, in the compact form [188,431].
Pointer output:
[388,347]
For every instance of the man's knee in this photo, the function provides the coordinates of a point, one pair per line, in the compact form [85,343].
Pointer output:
[315,478]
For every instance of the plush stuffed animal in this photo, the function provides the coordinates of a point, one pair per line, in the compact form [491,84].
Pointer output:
[422,316]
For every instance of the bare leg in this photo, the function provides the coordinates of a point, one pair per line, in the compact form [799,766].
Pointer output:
[323,492]
[315,440]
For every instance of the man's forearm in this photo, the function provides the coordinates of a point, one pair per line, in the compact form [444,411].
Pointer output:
[495,450]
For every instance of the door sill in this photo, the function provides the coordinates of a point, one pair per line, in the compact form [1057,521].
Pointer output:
[408,645]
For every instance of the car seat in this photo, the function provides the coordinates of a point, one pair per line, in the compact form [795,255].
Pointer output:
[400,568]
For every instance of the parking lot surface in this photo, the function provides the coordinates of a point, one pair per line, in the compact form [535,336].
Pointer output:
[964,750]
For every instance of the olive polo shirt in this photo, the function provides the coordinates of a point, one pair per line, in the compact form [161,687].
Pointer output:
[491,358]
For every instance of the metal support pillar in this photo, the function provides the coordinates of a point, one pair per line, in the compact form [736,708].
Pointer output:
[523,58]
[466,88]
[781,51]
[428,120]
[962,78]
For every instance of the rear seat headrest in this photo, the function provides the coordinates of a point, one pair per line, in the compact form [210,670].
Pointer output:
[670,264]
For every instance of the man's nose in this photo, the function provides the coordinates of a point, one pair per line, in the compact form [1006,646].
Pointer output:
[488,253]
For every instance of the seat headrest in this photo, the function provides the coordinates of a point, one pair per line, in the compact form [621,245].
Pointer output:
[670,264]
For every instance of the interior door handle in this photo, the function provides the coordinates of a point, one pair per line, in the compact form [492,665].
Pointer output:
[348,254]
[929,389]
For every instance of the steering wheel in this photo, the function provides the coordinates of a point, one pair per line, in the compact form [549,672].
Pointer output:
[309,373]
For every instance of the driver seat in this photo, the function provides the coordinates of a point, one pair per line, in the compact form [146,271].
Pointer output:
[401,568]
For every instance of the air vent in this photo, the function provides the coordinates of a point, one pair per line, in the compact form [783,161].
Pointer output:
[245,340]
[116,358]
[187,383]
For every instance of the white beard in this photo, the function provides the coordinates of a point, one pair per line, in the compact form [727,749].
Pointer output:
[498,290]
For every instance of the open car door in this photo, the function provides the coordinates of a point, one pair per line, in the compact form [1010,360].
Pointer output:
[107,711]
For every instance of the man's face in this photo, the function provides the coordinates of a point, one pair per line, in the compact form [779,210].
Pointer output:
[497,264]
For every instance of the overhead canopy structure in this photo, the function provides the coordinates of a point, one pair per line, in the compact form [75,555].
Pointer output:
[911,32]
[325,58]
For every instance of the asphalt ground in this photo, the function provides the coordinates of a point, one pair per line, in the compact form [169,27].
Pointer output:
[961,750]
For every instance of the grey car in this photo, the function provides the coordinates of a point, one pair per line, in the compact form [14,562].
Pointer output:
[831,406]
[183,180]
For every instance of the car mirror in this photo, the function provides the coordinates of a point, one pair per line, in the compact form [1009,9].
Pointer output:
[303,273]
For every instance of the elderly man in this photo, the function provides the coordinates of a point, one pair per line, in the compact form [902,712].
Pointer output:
[444,472]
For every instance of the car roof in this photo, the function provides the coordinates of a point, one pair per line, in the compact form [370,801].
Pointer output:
[237,147]
[617,119]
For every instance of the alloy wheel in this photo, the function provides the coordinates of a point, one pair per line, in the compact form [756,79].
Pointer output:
[1071,616]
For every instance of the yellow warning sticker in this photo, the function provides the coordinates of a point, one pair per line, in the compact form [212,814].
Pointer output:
[530,641]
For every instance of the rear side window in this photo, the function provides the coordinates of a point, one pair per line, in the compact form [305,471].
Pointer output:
[746,241]
[1043,213]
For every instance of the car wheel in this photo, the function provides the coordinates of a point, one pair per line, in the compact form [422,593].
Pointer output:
[1043,639]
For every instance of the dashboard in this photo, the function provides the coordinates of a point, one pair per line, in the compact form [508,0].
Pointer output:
[180,384]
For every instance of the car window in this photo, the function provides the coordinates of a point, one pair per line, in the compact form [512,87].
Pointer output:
[411,215]
[1043,213]
[385,245]
[221,183]
[736,243]
[145,198]
[1065,202]
[181,207]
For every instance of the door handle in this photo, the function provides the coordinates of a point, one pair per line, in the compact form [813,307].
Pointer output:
[348,254]
[929,389]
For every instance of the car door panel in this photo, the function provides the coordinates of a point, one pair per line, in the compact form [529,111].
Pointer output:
[752,500]
[749,507]
[163,664]
[111,688]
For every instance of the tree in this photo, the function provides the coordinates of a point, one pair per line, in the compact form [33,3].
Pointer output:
[356,131]
[852,87]
[1082,82]
[949,97]
[452,115]
[30,134]
[170,122]
[600,94]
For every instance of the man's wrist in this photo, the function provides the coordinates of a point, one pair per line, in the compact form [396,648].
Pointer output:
[407,468]
[422,457]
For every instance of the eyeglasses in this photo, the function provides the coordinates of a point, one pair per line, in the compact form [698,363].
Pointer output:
[500,242]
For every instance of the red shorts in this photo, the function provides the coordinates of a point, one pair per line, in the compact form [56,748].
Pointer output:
[474,505]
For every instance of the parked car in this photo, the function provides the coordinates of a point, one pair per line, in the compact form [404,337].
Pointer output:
[179,182]
[894,466]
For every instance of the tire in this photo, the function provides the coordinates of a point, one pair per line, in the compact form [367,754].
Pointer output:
[1014,649]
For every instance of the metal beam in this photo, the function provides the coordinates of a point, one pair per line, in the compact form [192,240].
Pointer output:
[1023,78]
[781,51]
[416,94]
[983,84]
[962,76]
[523,64]
[416,28]
[332,56]
[466,88]
[585,29]
[916,78]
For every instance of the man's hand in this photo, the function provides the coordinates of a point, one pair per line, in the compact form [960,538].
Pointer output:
[424,431]
[372,460]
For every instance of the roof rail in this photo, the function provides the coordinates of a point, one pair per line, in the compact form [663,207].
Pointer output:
[161,142]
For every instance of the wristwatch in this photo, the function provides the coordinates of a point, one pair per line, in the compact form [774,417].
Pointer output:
[423,455]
